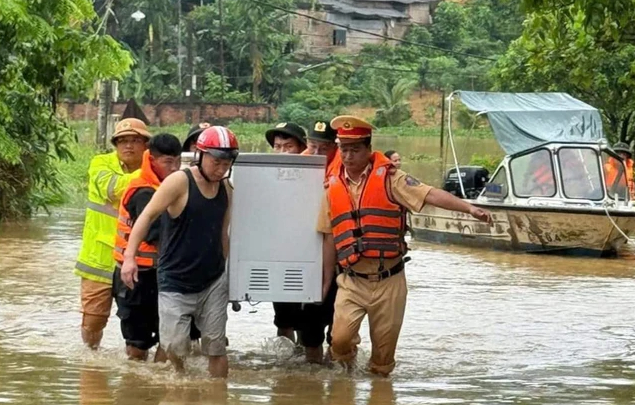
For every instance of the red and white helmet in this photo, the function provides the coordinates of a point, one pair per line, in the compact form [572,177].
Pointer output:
[219,142]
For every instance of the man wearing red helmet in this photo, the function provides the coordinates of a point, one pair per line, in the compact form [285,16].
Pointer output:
[194,246]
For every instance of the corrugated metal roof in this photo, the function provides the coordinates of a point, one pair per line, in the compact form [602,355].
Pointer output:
[348,8]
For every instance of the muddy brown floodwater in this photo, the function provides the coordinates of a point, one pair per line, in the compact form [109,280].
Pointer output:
[481,327]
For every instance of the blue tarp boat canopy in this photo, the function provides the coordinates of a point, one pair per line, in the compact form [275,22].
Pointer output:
[521,121]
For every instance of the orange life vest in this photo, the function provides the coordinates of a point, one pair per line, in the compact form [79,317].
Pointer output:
[629,177]
[147,255]
[377,227]
[611,169]
[331,164]
[544,181]
[334,164]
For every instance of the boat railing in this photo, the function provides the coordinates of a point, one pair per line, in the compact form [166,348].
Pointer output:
[559,201]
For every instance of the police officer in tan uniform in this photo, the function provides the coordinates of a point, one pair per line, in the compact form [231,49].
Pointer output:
[363,219]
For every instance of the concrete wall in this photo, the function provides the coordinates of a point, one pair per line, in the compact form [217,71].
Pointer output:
[317,37]
[420,13]
[178,113]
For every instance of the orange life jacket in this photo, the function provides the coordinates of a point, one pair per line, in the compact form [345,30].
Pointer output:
[377,227]
[331,164]
[543,180]
[611,169]
[334,164]
[629,177]
[147,256]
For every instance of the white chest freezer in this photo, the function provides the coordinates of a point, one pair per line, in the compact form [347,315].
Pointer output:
[275,250]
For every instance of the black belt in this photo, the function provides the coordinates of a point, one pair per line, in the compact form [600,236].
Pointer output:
[396,269]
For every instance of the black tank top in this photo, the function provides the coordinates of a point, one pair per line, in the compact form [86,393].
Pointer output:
[191,254]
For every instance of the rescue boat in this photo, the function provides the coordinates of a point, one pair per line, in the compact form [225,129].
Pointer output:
[554,196]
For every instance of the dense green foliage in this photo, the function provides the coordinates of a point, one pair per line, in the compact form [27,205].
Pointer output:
[48,48]
[255,39]
[260,63]
[581,47]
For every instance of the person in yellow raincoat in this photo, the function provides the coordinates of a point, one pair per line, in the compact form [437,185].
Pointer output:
[108,177]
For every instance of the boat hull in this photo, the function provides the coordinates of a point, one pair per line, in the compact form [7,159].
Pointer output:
[563,231]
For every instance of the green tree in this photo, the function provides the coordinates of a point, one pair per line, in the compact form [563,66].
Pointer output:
[318,95]
[450,23]
[394,106]
[257,43]
[48,48]
[260,32]
[564,49]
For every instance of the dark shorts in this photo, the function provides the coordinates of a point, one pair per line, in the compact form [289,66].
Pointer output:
[138,310]
[287,314]
[315,318]
[309,320]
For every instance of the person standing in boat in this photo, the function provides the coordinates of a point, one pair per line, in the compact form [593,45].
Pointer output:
[108,176]
[363,219]
[191,275]
[287,138]
[138,307]
[612,168]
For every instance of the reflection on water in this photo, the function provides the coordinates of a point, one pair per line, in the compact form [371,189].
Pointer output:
[481,327]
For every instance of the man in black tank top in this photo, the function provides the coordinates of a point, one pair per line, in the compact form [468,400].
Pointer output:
[195,208]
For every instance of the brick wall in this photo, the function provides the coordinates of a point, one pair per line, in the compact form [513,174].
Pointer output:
[178,113]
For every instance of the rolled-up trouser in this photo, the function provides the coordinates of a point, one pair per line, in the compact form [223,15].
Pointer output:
[385,303]
[209,309]
[96,299]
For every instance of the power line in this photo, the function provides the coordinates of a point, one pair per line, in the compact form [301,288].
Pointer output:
[362,66]
[377,67]
[348,27]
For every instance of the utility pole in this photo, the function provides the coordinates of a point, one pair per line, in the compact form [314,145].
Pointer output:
[178,48]
[441,154]
[222,52]
[442,125]
[105,86]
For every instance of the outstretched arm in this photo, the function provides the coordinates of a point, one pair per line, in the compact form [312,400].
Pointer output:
[443,199]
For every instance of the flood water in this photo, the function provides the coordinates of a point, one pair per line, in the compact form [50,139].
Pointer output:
[481,328]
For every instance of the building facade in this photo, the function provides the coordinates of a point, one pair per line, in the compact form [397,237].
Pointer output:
[383,17]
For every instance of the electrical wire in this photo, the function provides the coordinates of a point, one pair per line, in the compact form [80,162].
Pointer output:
[348,27]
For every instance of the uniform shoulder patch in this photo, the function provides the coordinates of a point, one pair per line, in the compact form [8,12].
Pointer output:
[411,181]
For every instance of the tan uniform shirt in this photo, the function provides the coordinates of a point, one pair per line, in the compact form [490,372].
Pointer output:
[402,188]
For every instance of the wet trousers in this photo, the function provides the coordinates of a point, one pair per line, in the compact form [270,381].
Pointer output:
[384,302]
[96,301]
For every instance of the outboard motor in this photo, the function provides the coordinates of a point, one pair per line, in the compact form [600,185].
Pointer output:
[473,177]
